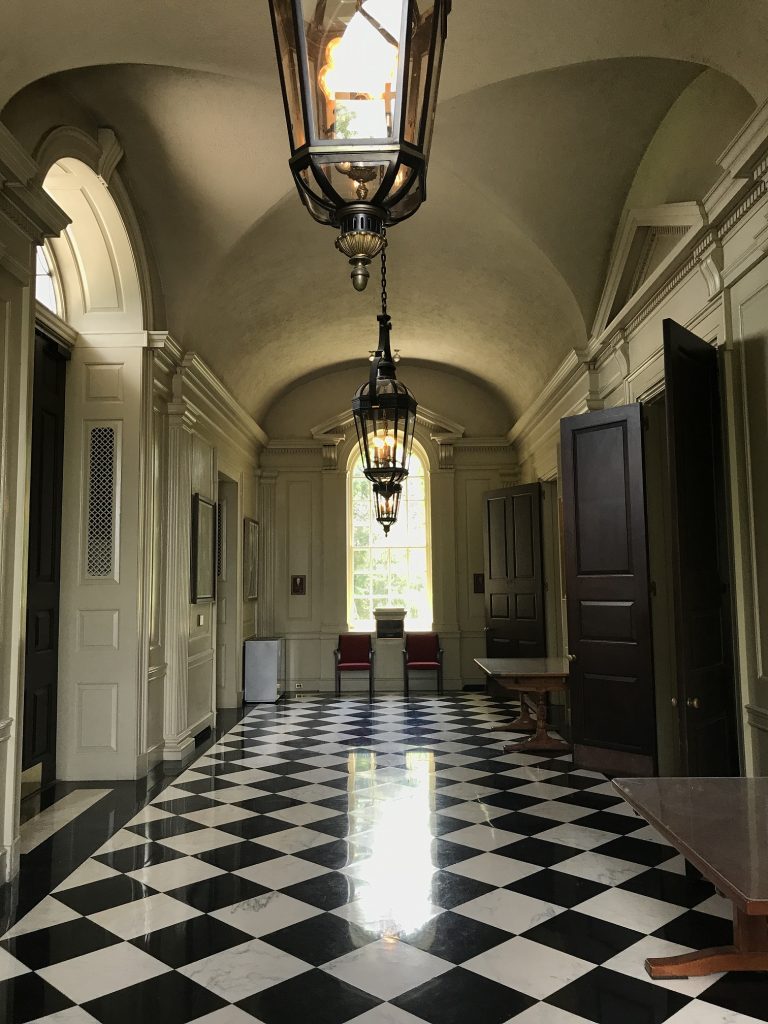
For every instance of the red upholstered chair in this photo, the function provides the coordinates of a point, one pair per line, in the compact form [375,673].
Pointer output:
[354,653]
[422,651]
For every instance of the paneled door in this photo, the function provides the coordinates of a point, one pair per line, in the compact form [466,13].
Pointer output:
[43,579]
[608,601]
[700,561]
[514,578]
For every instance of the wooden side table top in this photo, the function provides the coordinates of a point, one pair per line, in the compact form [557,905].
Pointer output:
[719,825]
[506,669]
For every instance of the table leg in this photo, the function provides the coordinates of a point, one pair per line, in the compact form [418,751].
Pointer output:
[749,952]
[524,722]
[541,740]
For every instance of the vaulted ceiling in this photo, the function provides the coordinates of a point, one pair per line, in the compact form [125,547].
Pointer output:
[547,111]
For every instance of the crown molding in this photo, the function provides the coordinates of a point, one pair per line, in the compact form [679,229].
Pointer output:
[214,400]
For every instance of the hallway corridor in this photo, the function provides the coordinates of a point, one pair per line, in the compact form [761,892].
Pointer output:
[330,861]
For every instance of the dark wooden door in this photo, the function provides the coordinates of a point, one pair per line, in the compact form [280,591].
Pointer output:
[514,578]
[43,575]
[705,673]
[606,571]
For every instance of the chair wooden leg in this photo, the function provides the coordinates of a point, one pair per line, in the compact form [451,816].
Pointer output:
[338,683]
[440,681]
[406,683]
[370,683]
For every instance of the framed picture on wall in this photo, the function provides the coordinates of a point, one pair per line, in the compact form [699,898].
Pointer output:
[250,559]
[203,554]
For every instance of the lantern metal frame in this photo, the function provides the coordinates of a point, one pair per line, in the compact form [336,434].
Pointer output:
[384,409]
[398,161]
[387,504]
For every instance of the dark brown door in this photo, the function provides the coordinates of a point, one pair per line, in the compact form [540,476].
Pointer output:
[606,570]
[41,664]
[705,673]
[514,579]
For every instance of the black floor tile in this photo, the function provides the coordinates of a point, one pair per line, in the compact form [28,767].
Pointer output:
[638,851]
[537,851]
[338,826]
[61,942]
[460,996]
[170,997]
[671,888]
[326,891]
[238,855]
[558,888]
[271,802]
[189,941]
[697,930]
[449,889]
[620,824]
[583,936]
[604,995]
[315,996]
[188,804]
[209,785]
[110,892]
[320,939]
[134,857]
[29,997]
[252,828]
[455,937]
[745,993]
[217,892]
[523,824]
[585,798]
[165,828]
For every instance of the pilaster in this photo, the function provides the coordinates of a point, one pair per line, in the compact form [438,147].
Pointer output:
[265,609]
[177,741]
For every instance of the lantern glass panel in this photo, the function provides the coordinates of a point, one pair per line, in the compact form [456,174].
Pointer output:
[289,67]
[420,68]
[353,63]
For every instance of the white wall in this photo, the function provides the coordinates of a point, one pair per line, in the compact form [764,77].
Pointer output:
[304,497]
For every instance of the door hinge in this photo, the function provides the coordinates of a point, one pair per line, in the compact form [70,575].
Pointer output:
[652,588]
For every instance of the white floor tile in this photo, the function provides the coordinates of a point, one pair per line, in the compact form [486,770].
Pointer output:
[480,837]
[473,811]
[106,970]
[10,967]
[48,822]
[266,913]
[46,914]
[387,968]
[493,869]
[578,836]
[642,913]
[236,794]
[529,967]
[143,916]
[543,1013]
[386,1013]
[292,840]
[556,811]
[304,814]
[224,815]
[600,868]
[89,871]
[201,841]
[698,1012]
[282,872]
[173,874]
[122,840]
[511,911]
[717,905]
[240,972]
[631,961]
[74,1015]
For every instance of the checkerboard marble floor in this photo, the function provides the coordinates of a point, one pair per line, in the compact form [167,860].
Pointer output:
[384,863]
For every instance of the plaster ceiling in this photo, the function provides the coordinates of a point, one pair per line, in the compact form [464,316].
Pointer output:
[546,112]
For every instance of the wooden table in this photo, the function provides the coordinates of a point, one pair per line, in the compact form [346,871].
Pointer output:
[530,675]
[721,827]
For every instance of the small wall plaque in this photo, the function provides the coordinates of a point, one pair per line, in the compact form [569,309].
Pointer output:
[478,583]
[298,586]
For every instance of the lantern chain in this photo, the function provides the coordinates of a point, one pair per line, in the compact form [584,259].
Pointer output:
[384,275]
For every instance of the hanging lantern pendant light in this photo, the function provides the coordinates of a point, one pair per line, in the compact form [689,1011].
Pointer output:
[387,500]
[384,409]
[360,81]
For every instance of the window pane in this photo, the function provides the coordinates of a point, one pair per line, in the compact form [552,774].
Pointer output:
[389,570]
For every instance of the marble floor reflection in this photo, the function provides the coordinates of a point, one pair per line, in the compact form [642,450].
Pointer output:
[384,863]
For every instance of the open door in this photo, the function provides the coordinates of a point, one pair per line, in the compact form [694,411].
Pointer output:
[700,562]
[514,577]
[606,576]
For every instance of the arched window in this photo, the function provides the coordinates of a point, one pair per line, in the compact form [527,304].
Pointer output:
[389,571]
[45,288]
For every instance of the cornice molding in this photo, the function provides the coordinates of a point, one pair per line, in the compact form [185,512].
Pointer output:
[22,199]
[216,401]
[52,324]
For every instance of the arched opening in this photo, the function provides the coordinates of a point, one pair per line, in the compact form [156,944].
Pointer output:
[393,570]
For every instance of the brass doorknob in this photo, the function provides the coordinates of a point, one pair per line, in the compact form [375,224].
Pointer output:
[693,702]
[571,657]
[673,702]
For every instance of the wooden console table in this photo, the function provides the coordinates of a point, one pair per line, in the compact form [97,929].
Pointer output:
[721,827]
[530,675]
